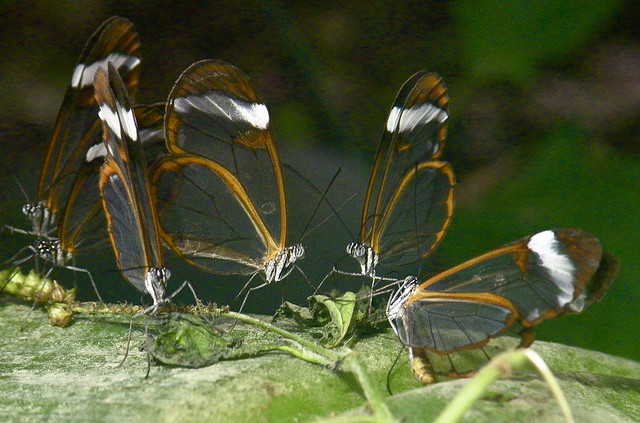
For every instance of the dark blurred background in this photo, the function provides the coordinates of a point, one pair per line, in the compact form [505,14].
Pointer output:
[543,130]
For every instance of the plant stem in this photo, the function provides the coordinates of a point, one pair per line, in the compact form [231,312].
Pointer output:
[349,359]
[500,366]
[318,349]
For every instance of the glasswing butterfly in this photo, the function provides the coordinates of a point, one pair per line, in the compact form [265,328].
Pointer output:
[516,286]
[221,189]
[67,199]
[409,199]
[131,216]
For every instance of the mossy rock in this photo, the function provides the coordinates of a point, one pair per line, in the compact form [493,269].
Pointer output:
[70,374]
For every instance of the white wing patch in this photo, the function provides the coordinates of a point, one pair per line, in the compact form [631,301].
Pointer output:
[112,119]
[96,151]
[233,109]
[83,74]
[559,265]
[406,120]
[129,123]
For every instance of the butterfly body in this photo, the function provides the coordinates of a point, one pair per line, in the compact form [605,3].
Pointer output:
[221,190]
[516,286]
[66,211]
[409,199]
[131,216]
[52,251]
[366,257]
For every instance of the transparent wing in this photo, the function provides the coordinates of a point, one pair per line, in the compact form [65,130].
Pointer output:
[207,217]
[416,216]
[83,210]
[150,119]
[124,228]
[448,322]
[131,215]
[414,134]
[82,219]
[461,363]
[542,275]
[213,112]
[77,127]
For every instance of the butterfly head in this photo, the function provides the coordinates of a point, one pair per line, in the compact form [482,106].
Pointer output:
[365,256]
[282,264]
[40,216]
[156,283]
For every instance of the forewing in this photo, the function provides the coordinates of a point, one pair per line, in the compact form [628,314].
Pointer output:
[150,122]
[77,126]
[123,181]
[541,274]
[598,285]
[415,132]
[150,119]
[123,224]
[213,112]
[82,219]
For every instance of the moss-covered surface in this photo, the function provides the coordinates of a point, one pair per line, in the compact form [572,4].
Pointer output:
[70,374]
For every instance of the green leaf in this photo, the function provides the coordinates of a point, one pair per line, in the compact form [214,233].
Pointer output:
[185,340]
[341,311]
[338,316]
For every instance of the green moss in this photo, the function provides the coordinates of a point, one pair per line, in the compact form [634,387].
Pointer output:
[70,374]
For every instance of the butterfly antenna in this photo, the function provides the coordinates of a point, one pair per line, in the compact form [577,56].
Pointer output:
[24,193]
[323,199]
[335,213]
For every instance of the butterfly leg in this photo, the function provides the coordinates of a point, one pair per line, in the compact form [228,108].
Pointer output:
[14,230]
[304,276]
[151,309]
[327,276]
[335,271]
[13,273]
[37,295]
[244,288]
[95,287]
[193,293]
[146,337]
[15,262]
